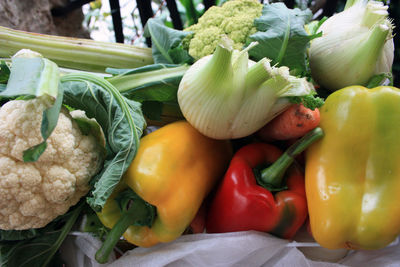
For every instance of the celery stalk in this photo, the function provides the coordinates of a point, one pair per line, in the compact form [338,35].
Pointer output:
[75,53]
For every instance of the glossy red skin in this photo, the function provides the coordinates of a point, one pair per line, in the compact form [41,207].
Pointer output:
[240,204]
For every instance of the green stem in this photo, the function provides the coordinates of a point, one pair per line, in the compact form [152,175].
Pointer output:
[217,72]
[371,48]
[350,3]
[137,211]
[375,12]
[82,54]
[285,42]
[73,216]
[258,73]
[271,177]
[139,80]
[221,59]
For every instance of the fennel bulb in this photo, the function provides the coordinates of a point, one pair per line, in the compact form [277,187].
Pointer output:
[356,44]
[225,95]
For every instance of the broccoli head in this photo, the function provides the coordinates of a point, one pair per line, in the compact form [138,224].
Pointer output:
[234,18]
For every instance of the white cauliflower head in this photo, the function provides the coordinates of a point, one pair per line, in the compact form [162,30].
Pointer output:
[35,193]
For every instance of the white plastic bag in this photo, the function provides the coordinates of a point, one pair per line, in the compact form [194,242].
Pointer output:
[249,248]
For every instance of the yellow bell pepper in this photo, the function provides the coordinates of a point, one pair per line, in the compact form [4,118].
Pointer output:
[174,169]
[353,173]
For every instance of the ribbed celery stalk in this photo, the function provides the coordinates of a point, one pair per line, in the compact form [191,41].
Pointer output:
[76,53]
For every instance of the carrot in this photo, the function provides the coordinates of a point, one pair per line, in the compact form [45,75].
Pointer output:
[294,122]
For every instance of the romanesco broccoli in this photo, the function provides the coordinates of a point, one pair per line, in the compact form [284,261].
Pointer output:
[235,19]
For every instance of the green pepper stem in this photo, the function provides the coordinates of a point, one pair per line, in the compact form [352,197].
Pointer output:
[271,177]
[136,212]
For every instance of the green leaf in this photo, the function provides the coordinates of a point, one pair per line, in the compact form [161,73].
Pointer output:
[143,69]
[121,120]
[380,80]
[192,15]
[313,27]
[15,235]
[310,101]
[32,76]
[125,201]
[146,68]
[220,2]
[157,82]
[4,72]
[2,99]
[167,43]
[89,127]
[93,225]
[39,250]
[302,4]
[36,77]
[282,37]
[32,154]
[152,109]
[49,123]
[153,86]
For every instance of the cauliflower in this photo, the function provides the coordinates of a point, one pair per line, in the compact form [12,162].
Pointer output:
[235,19]
[33,194]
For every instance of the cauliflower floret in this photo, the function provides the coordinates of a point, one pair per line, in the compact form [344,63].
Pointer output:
[35,193]
[235,19]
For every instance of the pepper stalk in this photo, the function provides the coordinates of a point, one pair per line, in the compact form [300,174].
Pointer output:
[134,211]
[272,176]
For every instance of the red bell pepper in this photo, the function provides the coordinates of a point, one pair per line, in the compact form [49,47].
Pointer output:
[270,200]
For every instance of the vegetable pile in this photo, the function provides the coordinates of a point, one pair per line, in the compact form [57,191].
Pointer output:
[58,159]
[255,118]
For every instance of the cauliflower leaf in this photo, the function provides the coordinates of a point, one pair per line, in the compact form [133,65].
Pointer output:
[281,36]
[279,31]
[43,243]
[49,123]
[121,120]
[4,72]
[155,86]
[166,43]
[33,75]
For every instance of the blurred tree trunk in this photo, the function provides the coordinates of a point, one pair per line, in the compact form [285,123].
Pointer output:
[35,16]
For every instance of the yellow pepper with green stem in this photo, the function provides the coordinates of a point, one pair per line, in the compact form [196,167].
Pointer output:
[173,171]
[353,172]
